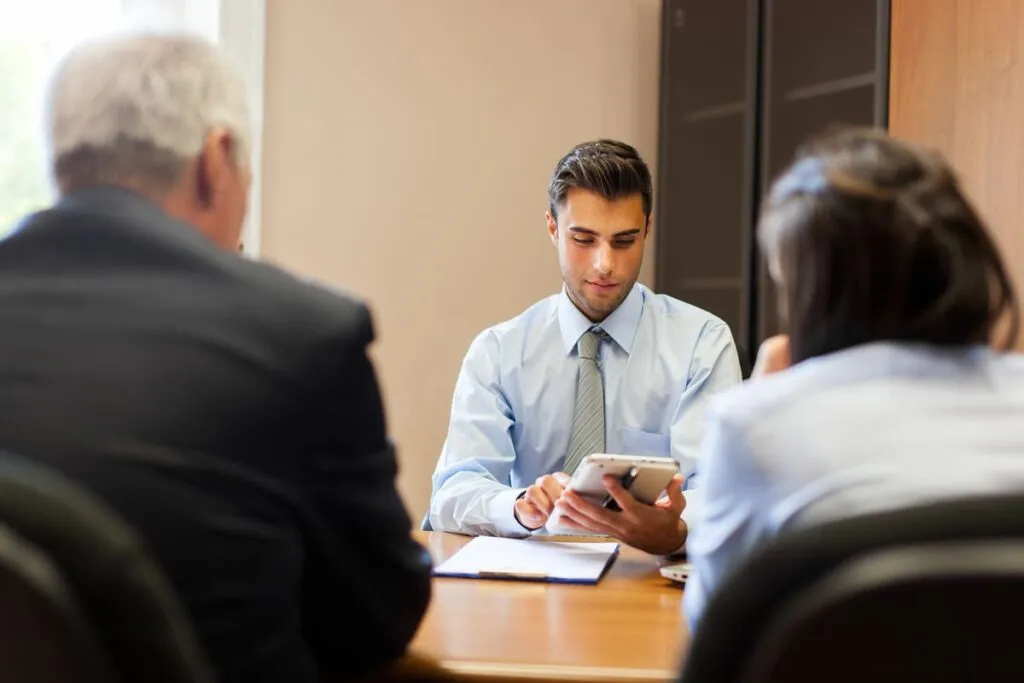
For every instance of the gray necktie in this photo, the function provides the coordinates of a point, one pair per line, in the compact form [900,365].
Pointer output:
[588,422]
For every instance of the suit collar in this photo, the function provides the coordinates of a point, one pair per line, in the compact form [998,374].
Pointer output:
[130,209]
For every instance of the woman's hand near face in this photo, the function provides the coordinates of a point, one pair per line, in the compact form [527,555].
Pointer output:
[772,356]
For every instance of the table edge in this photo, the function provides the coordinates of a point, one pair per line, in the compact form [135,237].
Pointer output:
[563,672]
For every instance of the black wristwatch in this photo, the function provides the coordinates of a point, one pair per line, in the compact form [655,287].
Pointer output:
[516,514]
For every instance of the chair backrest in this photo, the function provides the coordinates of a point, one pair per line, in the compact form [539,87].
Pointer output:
[44,636]
[923,613]
[907,595]
[106,573]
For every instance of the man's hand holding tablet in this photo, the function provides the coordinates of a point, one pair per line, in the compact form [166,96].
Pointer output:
[612,495]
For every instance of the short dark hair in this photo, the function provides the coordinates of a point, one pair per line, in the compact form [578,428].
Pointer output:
[610,168]
[875,241]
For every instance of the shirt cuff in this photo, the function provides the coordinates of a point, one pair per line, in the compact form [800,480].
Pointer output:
[501,510]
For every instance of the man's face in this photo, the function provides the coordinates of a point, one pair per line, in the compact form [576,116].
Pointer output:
[600,248]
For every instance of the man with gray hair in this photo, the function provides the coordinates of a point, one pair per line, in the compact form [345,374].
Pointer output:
[227,410]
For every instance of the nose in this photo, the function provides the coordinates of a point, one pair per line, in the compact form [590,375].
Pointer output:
[603,260]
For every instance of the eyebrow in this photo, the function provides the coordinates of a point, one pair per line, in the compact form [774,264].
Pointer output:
[588,231]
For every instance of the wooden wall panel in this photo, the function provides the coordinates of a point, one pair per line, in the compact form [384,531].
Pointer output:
[957,83]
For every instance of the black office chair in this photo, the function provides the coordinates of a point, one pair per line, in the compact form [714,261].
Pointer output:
[44,635]
[912,595]
[71,562]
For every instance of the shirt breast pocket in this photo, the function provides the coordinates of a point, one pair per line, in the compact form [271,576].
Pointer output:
[639,442]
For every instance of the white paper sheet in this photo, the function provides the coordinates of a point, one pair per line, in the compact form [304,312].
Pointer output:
[487,557]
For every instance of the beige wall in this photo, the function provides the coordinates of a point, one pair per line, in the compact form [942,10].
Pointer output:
[957,83]
[407,149]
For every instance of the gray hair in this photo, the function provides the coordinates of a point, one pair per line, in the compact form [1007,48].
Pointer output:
[138,107]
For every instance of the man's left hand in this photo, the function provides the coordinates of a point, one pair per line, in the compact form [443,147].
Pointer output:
[656,529]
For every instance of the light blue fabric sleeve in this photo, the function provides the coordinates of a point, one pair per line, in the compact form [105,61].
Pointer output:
[732,518]
[471,492]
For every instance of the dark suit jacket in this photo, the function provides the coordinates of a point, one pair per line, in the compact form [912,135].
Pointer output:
[230,413]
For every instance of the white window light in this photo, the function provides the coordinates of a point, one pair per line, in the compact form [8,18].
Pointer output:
[237,25]
[242,32]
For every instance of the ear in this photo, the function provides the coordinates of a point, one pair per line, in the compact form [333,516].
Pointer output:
[215,159]
[552,227]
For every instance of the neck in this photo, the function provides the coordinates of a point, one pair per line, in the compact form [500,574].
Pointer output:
[579,307]
[182,206]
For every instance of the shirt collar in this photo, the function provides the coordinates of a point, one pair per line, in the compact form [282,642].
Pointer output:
[621,325]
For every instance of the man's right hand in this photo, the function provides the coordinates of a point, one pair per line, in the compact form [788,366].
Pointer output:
[533,508]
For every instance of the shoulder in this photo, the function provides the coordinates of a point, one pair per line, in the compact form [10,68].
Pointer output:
[1008,368]
[676,324]
[883,368]
[515,330]
[806,384]
[675,313]
[304,305]
[755,401]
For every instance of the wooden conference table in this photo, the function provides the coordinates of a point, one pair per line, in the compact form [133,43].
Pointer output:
[630,627]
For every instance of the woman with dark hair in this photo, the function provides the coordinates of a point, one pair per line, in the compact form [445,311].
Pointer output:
[892,385]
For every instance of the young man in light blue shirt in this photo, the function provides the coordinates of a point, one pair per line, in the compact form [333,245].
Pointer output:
[517,427]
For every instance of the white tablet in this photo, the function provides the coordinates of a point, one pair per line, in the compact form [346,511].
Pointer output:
[679,572]
[644,477]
